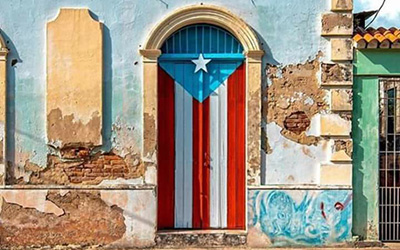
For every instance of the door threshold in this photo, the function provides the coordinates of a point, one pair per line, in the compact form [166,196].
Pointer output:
[202,231]
[201,238]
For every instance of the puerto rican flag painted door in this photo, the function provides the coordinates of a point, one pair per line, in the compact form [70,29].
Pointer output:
[201,135]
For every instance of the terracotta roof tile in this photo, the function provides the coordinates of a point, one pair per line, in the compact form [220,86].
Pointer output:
[377,38]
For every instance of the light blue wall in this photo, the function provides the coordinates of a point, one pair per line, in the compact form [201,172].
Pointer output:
[289,30]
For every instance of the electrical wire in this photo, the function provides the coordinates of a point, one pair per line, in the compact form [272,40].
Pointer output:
[376,15]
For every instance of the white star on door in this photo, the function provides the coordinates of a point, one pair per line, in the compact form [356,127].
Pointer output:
[201,63]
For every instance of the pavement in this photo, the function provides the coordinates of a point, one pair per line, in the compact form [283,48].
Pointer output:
[389,246]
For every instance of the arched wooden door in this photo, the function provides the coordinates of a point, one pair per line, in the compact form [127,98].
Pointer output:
[201,130]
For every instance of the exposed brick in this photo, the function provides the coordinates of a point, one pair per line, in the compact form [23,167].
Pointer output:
[90,169]
[97,170]
[297,122]
[117,162]
[77,174]
[112,157]
[72,152]
[118,175]
[90,165]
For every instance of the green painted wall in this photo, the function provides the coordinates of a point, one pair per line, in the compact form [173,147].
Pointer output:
[369,65]
[365,156]
[377,62]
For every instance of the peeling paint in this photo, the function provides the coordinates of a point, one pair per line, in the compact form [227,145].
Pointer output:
[291,90]
[139,210]
[87,221]
[122,138]
[64,130]
[282,169]
[90,170]
[336,73]
[345,145]
[149,146]
[32,199]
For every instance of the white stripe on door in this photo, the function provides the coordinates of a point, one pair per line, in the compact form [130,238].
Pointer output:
[218,154]
[183,157]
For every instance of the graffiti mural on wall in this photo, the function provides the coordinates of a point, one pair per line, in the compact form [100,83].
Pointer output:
[301,217]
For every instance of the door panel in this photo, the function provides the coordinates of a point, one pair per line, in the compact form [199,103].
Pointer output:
[236,149]
[201,164]
[218,154]
[201,155]
[166,150]
[183,158]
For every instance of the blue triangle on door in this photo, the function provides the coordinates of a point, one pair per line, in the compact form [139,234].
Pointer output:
[201,84]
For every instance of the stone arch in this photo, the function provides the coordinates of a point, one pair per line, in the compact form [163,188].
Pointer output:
[214,15]
[203,14]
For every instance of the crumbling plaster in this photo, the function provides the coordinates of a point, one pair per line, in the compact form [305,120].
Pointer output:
[128,23]
[116,218]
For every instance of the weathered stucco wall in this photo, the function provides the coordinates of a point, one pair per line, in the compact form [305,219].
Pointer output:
[126,25]
[305,112]
[118,218]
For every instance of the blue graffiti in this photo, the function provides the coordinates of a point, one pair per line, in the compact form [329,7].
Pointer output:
[320,218]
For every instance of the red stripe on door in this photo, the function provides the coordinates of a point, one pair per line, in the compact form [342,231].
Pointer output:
[201,164]
[166,150]
[236,148]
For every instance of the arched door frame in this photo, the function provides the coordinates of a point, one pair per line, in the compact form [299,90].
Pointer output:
[221,17]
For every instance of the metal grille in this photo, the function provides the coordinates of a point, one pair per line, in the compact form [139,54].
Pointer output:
[389,160]
[201,38]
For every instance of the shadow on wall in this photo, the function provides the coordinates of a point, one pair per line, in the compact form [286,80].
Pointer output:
[13,60]
[107,86]
[360,207]
[107,89]
[267,59]
[365,131]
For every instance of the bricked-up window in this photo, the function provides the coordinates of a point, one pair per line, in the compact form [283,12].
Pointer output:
[297,122]
[389,166]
